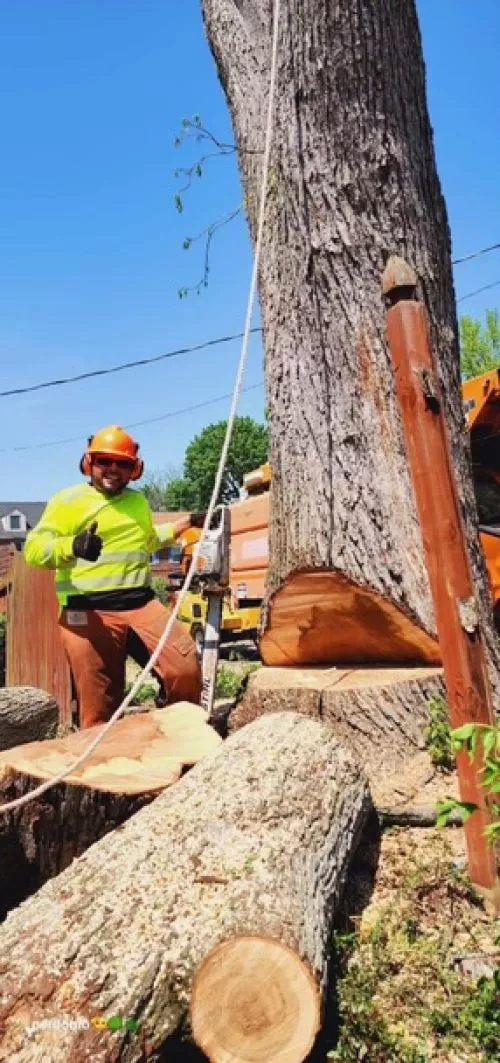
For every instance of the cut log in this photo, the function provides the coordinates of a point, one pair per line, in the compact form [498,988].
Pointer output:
[27,714]
[254,842]
[323,617]
[381,713]
[253,999]
[137,758]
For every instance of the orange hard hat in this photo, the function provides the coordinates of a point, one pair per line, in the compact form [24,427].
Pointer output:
[114,442]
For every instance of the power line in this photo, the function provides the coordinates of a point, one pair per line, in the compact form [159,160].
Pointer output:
[60,382]
[147,361]
[475,254]
[133,424]
[124,365]
[478,290]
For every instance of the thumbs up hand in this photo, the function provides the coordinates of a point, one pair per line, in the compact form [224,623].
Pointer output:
[88,545]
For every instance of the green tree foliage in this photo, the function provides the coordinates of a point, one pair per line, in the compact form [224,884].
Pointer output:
[248,450]
[180,494]
[168,490]
[479,344]
[156,485]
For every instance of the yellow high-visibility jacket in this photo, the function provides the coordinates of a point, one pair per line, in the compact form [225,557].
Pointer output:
[125,525]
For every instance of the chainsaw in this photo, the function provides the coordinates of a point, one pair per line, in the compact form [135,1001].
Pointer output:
[212,578]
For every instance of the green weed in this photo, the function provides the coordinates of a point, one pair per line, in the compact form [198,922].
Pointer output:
[230,682]
[438,735]
[478,740]
[146,692]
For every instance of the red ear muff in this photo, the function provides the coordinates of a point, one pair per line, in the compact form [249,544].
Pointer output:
[138,469]
[85,464]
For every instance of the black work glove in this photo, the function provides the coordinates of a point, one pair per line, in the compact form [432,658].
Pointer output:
[88,545]
[197,519]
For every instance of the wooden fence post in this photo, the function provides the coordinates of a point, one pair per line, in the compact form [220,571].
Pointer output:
[462,649]
[35,653]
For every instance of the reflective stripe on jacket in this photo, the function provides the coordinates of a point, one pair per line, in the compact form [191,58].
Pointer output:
[125,525]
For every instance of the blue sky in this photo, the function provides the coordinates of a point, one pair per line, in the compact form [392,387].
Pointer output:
[92,96]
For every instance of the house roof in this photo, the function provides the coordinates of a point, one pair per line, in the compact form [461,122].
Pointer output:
[31,510]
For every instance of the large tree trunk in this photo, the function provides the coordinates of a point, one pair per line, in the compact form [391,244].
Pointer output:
[353,180]
[250,849]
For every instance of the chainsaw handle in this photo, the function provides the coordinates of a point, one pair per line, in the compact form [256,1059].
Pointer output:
[218,511]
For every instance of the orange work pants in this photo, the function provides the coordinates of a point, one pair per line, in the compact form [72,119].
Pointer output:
[95,642]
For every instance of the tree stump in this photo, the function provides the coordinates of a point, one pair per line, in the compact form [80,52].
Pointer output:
[27,714]
[248,853]
[140,756]
[381,713]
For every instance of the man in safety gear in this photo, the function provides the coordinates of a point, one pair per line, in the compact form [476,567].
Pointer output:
[98,536]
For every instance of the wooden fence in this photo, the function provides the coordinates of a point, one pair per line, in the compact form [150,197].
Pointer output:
[35,654]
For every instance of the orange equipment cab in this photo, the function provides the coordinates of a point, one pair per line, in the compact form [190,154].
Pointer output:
[248,565]
[481,398]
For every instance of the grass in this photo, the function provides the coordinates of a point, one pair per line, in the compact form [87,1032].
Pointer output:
[401,993]
[146,692]
[230,682]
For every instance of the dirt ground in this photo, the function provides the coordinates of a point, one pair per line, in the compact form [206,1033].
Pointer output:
[417,949]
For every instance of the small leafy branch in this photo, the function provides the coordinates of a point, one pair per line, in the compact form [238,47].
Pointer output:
[474,738]
[208,235]
[192,129]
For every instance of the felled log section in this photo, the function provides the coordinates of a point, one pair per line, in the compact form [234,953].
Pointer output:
[27,714]
[321,617]
[139,757]
[381,713]
[252,1000]
[253,843]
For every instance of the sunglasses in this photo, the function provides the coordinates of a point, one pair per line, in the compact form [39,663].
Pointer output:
[121,463]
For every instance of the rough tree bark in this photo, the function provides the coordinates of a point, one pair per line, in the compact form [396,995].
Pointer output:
[26,715]
[353,180]
[255,841]
[381,714]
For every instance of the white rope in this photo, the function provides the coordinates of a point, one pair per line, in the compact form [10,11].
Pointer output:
[18,802]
